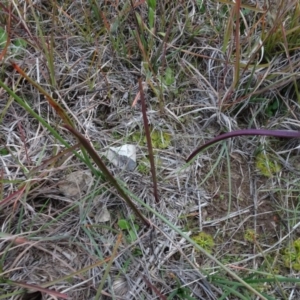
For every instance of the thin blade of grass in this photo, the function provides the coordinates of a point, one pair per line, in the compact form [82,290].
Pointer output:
[54,104]
[106,273]
[149,143]
[24,105]
[154,289]
[275,133]
[53,159]
[233,291]
[279,278]
[12,196]
[159,50]
[228,31]
[60,111]
[243,5]
[237,44]
[140,35]
[286,48]
[83,270]
[38,288]
[85,143]
[4,51]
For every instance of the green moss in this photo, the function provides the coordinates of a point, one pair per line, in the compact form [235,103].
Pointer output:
[291,256]
[160,140]
[250,235]
[204,240]
[267,165]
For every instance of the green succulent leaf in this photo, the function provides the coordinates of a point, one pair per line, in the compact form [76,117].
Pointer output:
[123,224]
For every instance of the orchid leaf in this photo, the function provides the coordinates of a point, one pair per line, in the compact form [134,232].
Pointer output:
[276,133]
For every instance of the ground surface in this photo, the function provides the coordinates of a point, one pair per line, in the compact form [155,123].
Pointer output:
[62,232]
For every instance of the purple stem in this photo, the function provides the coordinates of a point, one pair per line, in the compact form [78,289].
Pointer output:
[276,133]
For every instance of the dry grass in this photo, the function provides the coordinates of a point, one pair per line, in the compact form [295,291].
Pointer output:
[201,77]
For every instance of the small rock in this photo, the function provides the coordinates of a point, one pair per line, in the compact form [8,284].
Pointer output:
[123,157]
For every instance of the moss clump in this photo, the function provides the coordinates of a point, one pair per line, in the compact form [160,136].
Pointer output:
[291,256]
[250,235]
[159,139]
[204,240]
[266,165]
